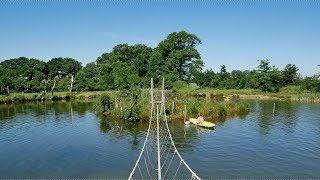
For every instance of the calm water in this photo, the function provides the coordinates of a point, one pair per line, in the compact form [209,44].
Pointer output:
[68,140]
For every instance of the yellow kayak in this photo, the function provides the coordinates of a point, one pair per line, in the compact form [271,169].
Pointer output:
[203,124]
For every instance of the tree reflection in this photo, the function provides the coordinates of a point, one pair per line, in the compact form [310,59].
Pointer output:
[285,115]
[42,110]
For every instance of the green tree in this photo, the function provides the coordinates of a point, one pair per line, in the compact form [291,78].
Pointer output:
[60,68]
[311,83]
[125,66]
[289,74]
[223,77]
[25,74]
[180,55]
[269,78]
[6,79]
[88,78]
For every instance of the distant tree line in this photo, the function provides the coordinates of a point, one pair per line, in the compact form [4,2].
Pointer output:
[175,58]
[265,77]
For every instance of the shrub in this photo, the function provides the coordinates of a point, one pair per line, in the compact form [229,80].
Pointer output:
[243,107]
[105,102]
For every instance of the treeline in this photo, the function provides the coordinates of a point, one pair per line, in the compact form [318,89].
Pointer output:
[175,58]
[265,77]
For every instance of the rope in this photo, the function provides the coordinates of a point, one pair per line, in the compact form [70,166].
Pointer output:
[147,168]
[177,170]
[164,138]
[140,171]
[169,164]
[144,145]
[193,173]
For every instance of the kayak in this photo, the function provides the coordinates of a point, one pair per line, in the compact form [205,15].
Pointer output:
[205,124]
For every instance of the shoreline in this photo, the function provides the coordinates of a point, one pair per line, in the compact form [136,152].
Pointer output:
[215,94]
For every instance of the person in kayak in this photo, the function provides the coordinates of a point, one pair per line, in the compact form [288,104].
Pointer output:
[200,119]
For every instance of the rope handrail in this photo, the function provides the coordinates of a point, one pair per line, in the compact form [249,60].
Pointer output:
[176,150]
[144,145]
[164,134]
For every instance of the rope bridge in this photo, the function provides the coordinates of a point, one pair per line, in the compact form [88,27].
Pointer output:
[159,157]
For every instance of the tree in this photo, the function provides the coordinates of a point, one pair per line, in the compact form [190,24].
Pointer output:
[5,80]
[156,68]
[223,77]
[289,74]
[125,66]
[311,83]
[63,68]
[269,78]
[179,54]
[237,80]
[25,74]
[87,79]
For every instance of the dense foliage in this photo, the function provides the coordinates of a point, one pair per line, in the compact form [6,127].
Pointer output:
[129,66]
[266,78]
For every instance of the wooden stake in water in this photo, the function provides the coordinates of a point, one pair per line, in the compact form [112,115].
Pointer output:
[172,108]
[185,113]
[120,108]
[185,116]
[274,107]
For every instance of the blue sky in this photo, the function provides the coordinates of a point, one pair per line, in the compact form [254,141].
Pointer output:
[233,33]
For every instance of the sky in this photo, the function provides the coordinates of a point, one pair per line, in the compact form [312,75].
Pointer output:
[233,33]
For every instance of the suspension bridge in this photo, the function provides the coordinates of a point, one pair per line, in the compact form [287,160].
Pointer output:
[159,157]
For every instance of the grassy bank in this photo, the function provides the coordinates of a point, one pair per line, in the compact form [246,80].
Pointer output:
[28,97]
[293,93]
[175,107]
[211,103]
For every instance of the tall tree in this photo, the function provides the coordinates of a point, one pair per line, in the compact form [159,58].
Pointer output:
[124,66]
[289,74]
[269,78]
[25,74]
[63,68]
[180,55]
[88,78]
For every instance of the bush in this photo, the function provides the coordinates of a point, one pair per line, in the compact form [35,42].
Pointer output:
[291,90]
[105,102]
[243,107]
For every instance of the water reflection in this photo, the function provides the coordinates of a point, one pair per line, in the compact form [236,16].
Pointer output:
[41,112]
[68,140]
[120,129]
[43,108]
[285,115]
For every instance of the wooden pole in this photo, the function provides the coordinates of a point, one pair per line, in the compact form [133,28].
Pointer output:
[274,107]
[158,142]
[172,107]
[120,108]
[185,113]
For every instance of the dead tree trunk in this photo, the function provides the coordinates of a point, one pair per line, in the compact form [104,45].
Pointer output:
[71,83]
[54,84]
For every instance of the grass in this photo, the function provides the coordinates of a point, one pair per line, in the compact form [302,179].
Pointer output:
[209,108]
[293,93]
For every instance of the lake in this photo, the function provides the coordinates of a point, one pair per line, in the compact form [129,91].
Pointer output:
[69,140]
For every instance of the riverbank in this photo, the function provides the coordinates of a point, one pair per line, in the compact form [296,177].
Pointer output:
[226,94]
[211,103]
[288,93]
[29,97]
